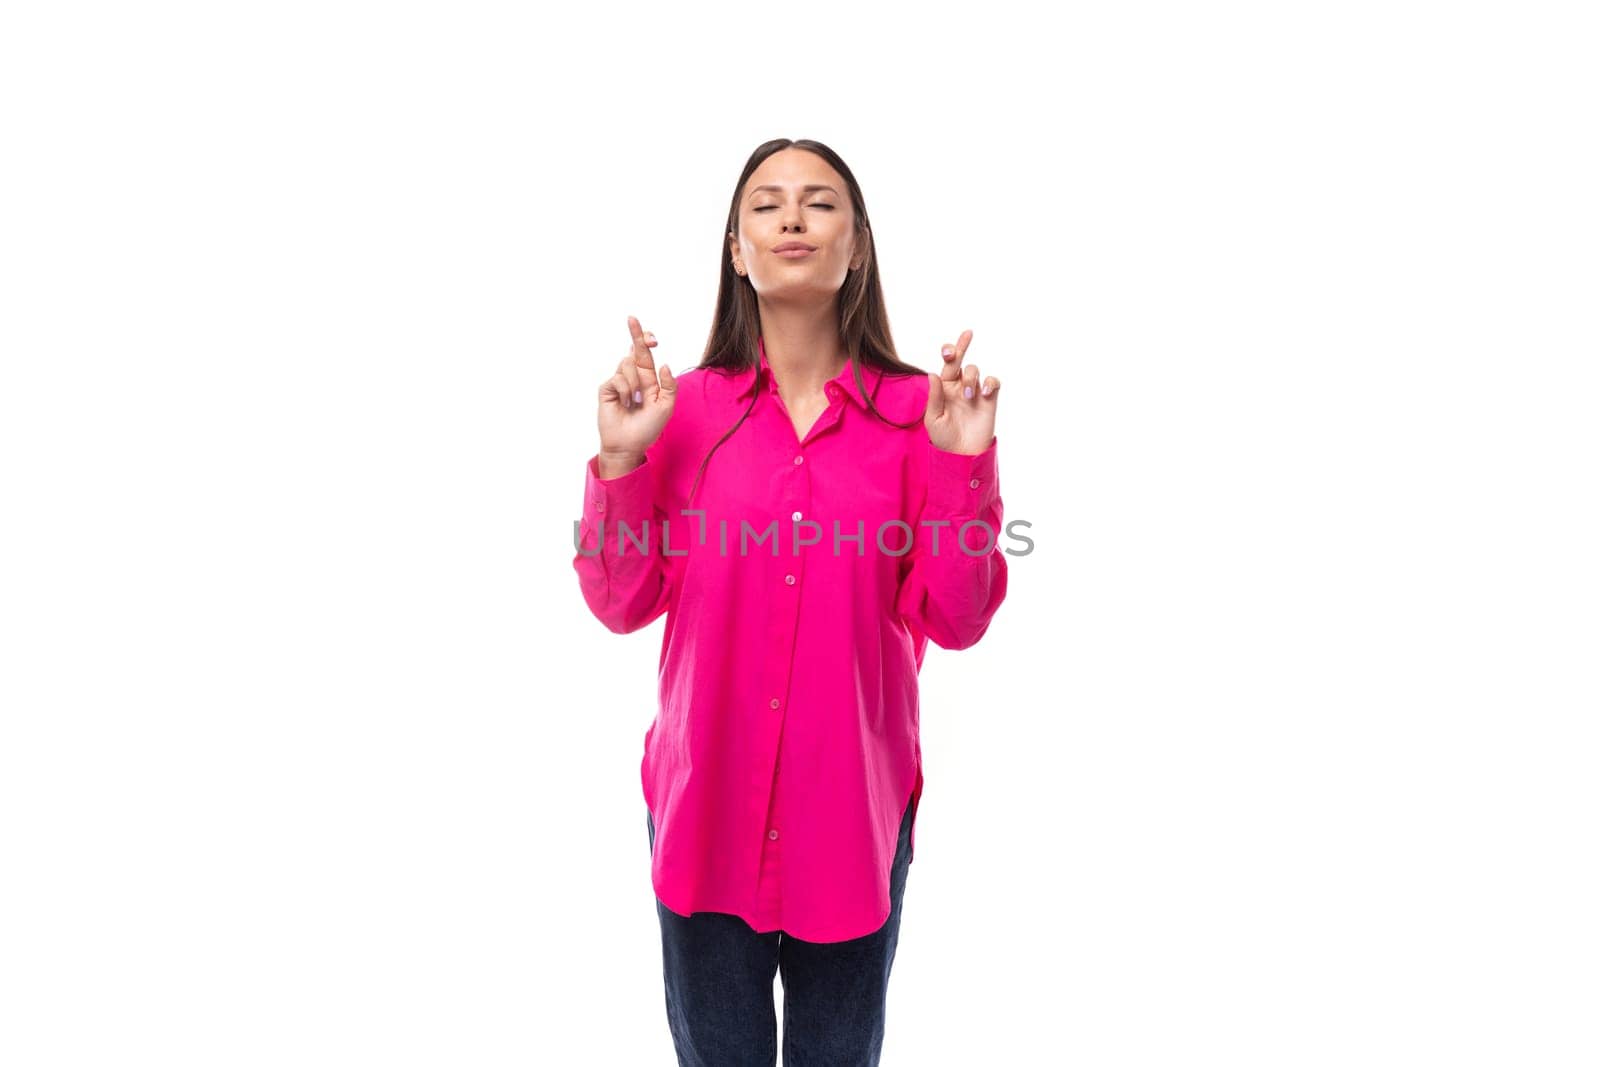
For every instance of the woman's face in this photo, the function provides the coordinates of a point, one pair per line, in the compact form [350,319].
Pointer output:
[794,196]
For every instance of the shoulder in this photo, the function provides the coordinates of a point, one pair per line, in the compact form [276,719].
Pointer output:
[700,392]
[691,382]
[903,396]
[710,390]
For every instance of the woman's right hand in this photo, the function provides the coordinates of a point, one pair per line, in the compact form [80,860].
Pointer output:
[629,426]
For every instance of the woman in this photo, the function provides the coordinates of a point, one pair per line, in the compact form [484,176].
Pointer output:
[808,512]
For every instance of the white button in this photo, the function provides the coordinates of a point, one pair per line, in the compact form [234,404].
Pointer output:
[796,516]
[799,459]
[773,834]
[973,484]
[774,701]
[788,579]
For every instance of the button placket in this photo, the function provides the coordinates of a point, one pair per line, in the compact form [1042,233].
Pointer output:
[796,498]
[781,633]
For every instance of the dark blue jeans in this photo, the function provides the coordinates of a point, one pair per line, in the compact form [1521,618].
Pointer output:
[719,973]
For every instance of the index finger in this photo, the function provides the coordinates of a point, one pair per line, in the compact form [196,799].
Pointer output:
[951,370]
[641,347]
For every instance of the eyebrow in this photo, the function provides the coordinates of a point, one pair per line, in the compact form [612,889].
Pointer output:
[803,189]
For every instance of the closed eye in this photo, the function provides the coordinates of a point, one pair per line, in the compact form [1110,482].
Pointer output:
[770,207]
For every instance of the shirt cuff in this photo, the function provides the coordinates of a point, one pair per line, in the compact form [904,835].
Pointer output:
[627,497]
[963,485]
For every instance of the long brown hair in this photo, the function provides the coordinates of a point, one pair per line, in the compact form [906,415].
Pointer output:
[863,317]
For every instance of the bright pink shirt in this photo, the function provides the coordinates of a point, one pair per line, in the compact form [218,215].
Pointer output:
[785,748]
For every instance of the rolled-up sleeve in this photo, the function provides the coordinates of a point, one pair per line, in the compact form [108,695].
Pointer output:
[956,576]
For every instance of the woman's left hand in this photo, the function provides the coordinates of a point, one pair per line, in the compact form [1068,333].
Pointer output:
[960,415]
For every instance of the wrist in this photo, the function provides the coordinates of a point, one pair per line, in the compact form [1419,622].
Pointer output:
[616,464]
[960,448]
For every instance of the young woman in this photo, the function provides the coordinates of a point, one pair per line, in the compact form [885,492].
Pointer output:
[808,512]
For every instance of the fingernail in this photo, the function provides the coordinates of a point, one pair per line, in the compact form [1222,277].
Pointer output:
[969,392]
[986,390]
[638,396]
[650,336]
[949,350]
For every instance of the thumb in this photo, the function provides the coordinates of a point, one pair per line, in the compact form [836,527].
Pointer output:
[666,382]
[935,397]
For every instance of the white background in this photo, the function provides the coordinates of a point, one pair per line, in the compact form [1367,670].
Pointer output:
[1281,750]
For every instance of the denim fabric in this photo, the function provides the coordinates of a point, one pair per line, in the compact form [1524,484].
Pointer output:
[719,973]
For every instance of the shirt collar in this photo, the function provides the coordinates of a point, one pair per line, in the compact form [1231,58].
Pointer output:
[845,380]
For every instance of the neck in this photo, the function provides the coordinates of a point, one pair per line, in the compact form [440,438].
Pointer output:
[803,346]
